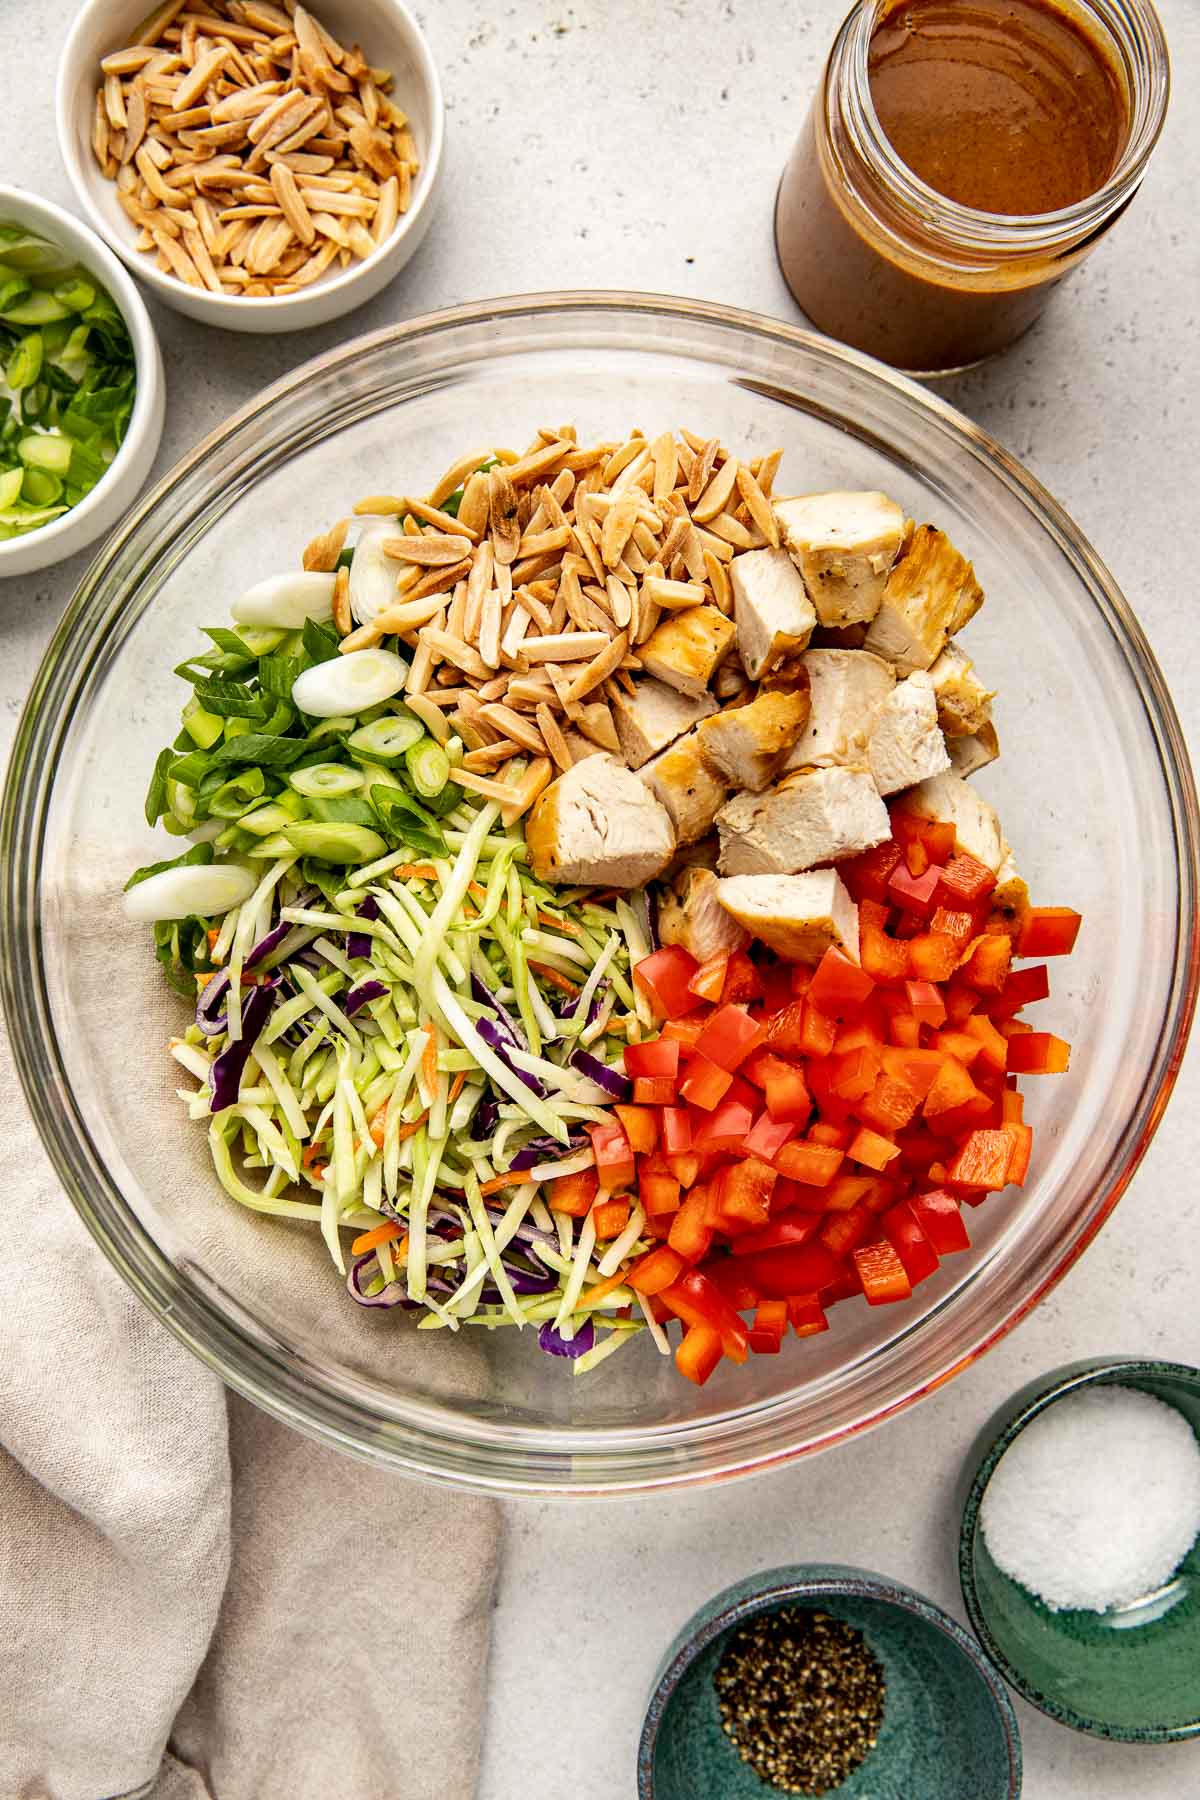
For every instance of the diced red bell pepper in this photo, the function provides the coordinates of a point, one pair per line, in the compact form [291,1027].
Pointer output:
[952,1087]
[966,882]
[708,982]
[610,1218]
[925,1003]
[932,956]
[787,1095]
[883,958]
[989,962]
[844,1286]
[872,1149]
[729,1037]
[909,1240]
[770,1323]
[867,874]
[960,924]
[641,1127]
[698,1301]
[961,1045]
[936,836]
[724,1128]
[676,1122]
[939,1217]
[796,1269]
[742,980]
[654,1090]
[704,1084]
[813,1164]
[767,1136]
[882,1274]
[1022,988]
[845,1191]
[957,1122]
[699,1353]
[663,977]
[1048,931]
[691,1235]
[574,1194]
[915,893]
[659,1057]
[824,1131]
[684,1032]
[839,987]
[853,1073]
[743,1195]
[982,1161]
[729,1275]
[799,980]
[1038,1053]
[961,1000]
[789,1230]
[685,1166]
[918,1148]
[915,1067]
[1022,1143]
[889,1106]
[806,1315]
[842,1232]
[658,1187]
[820,1030]
[658,1269]
[994,1047]
[614,1155]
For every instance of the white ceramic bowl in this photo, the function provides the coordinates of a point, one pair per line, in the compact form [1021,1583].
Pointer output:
[391,39]
[121,484]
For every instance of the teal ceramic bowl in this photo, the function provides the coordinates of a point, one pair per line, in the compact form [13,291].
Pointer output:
[1134,1674]
[949,1731]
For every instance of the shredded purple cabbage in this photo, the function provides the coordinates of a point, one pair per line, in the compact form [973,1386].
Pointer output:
[210,1008]
[362,995]
[538,1148]
[554,1344]
[358,943]
[265,945]
[615,1085]
[500,1040]
[226,1073]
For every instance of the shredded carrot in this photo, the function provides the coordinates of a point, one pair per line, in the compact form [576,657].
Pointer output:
[202,981]
[468,912]
[213,935]
[473,887]
[514,1178]
[318,1171]
[379,1126]
[545,918]
[429,1056]
[379,1234]
[416,872]
[602,1287]
[407,1131]
[552,975]
[310,1154]
[457,1085]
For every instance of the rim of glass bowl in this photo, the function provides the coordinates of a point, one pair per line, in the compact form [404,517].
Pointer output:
[415,1436]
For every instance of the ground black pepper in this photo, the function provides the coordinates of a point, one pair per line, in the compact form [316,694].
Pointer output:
[801,1696]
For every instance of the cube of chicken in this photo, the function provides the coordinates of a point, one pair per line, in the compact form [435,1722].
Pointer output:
[653,716]
[681,779]
[929,595]
[843,545]
[691,915]
[811,817]
[747,744]
[906,743]
[1010,900]
[775,617]
[599,824]
[797,916]
[687,647]
[969,754]
[955,801]
[848,688]
[964,704]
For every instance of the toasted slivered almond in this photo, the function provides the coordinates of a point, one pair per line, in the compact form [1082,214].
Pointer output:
[454,650]
[758,506]
[718,581]
[619,600]
[194,83]
[385,505]
[176,257]
[566,646]
[342,620]
[490,756]
[713,499]
[514,726]
[474,505]
[708,541]
[599,669]
[513,635]
[552,736]
[197,249]
[432,552]
[767,470]
[702,468]
[731,531]
[541,542]
[291,204]
[672,594]
[666,464]
[482,784]
[432,717]
[323,551]
[617,529]
[525,791]
[455,475]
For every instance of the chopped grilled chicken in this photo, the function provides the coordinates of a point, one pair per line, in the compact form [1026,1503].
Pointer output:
[906,743]
[691,915]
[1011,897]
[599,825]
[747,744]
[930,594]
[681,779]
[798,916]
[653,716]
[848,688]
[775,617]
[811,817]
[686,649]
[969,754]
[976,826]
[964,704]
[843,545]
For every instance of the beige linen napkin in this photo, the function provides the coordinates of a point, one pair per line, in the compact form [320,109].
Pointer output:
[195,1601]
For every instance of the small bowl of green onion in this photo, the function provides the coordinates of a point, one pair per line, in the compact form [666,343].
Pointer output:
[81,385]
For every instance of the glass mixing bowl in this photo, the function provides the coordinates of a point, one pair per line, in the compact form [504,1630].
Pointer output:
[1094,788]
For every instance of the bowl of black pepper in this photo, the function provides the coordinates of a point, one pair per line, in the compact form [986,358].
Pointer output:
[823,1680]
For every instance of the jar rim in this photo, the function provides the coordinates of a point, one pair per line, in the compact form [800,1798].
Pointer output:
[1138,36]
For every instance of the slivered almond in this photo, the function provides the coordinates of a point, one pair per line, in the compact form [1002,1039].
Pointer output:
[540,543]
[432,717]
[431,552]
[718,581]
[490,756]
[524,792]
[758,506]
[766,471]
[194,83]
[489,628]
[513,635]
[716,493]
[620,603]
[525,471]
[474,505]
[482,784]
[387,505]
[672,594]
[341,603]
[618,529]
[291,204]
[666,464]
[514,726]
[552,736]
[702,468]
[731,531]
[599,669]
[323,551]
[567,646]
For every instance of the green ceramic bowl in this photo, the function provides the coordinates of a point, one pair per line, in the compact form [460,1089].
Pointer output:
[949,1730]
[1132,1675]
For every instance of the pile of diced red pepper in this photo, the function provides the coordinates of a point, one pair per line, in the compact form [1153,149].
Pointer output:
[801,1135]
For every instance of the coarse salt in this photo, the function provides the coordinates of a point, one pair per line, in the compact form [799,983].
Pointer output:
[1097,1501]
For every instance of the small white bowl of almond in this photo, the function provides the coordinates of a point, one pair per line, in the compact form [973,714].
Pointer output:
[261,166]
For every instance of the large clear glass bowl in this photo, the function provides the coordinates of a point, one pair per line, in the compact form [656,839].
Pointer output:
[1094,789]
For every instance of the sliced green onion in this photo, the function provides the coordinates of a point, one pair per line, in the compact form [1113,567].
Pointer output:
[326,779]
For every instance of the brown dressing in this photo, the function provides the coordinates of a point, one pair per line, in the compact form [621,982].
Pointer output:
[1006,106]
[1003,105]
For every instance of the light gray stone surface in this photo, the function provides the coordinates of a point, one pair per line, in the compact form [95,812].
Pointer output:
[617,144]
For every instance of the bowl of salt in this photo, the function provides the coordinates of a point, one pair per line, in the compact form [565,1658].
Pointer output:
[1079,1554]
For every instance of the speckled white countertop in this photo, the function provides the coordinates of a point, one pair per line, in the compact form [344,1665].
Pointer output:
[616,143]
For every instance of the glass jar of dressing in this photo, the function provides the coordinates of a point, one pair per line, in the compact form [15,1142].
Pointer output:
[960,158]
